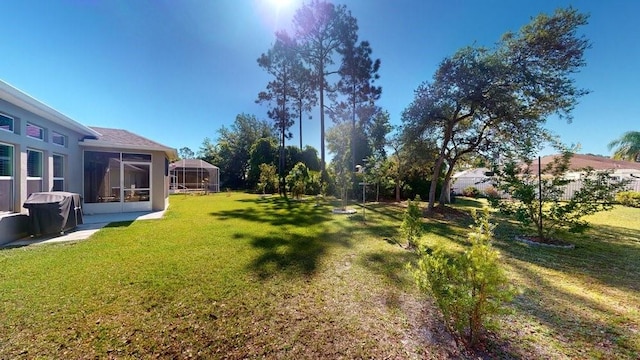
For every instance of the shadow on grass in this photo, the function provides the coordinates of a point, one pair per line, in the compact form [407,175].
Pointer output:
[449,231]
[390,265]
[278,211]
[469,203]
[390,210]
[575,316]
[118,224]
[292,254]
[607,254]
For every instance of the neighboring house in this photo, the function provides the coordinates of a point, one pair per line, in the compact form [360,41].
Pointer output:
[43,150]
[194,174]
[480,178]
[620,169]
[477,177]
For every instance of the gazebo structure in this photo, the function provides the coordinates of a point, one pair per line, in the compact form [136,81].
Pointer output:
[194,175]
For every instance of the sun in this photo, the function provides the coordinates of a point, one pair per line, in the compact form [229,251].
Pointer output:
[279,4]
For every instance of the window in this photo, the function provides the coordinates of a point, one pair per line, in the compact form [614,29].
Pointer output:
[116,177]
[136,157]
[101,177]
[34,171]
[58,139]
[58,172]
[35,131]
[6,123]
[6,178]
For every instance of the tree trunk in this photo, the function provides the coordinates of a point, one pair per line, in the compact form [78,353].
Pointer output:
[434,182]
[445,192]
[321,84]
[300,119]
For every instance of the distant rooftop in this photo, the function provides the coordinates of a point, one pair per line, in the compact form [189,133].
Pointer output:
[581,161]
[125,139]
[192,163]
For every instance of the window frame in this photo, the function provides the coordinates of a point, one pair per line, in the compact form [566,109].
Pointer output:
[55,134]
[34,137]
[13,123]
[35,178]
[61,176]
[11,178]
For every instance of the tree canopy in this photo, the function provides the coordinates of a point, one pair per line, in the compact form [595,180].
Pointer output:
[485,100]
[232,151]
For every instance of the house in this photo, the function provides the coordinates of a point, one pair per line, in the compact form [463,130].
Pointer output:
[41,149]
[194,174]
[479,178]
[620,169]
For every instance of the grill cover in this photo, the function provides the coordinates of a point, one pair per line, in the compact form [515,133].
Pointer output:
[53,212]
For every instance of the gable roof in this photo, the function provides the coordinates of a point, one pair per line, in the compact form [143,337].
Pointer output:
[124,139]
[25,101]
[472,173]
[581,161]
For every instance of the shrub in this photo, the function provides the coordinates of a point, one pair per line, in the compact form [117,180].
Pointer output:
[268,177]
[549,212]
[491,193]
[314,186]
[628,198]
[471,191]
[297,179]
[470,287]
[411,227]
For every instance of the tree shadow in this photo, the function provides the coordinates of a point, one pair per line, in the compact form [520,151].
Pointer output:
[573,315]
[607,254]
[292,255]
[391,265]
[278,211]
[390,210]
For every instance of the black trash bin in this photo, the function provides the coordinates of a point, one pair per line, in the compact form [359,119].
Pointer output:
[53,212]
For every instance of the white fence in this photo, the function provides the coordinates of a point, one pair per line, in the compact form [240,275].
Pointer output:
[482,183]
[576,185]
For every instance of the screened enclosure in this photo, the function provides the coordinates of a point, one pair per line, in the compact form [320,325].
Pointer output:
[194,175]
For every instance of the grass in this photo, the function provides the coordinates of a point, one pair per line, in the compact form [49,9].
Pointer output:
[240,276]
[219,277]
[578,303]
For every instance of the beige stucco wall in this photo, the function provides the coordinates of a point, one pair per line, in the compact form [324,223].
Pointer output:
[159,182]
[15,226]
[71,152]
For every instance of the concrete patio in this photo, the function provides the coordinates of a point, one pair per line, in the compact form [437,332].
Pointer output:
[91,224]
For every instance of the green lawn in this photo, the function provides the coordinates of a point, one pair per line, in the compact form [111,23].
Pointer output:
[239,276]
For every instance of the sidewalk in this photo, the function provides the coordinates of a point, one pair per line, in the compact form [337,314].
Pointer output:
[92,223]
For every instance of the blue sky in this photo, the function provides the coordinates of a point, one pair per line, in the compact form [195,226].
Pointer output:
[176,71]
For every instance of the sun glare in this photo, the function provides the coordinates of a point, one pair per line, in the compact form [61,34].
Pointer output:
[279,4]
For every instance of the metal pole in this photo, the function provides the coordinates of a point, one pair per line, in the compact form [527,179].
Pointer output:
[364,186]
[539,195]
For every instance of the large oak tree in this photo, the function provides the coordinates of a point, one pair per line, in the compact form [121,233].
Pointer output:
[492,100]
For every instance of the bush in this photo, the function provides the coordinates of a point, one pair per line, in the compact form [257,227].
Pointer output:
[628,198]
[297,180]
[471,191]
[491,193]
[411,227]
[469,287]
